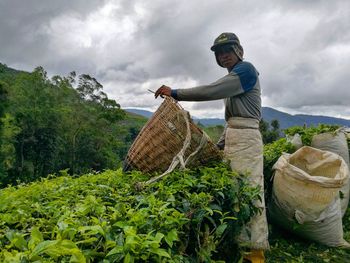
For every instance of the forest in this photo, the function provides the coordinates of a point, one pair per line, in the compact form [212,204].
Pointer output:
[59,123]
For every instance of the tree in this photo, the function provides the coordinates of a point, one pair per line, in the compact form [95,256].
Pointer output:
[264,127]
[34,108]
[90,127]
[3,105]
[275,125]
[60,123]
[3,98]
[269,135]
[90,89]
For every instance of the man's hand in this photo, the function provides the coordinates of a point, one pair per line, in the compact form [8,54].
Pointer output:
[163,91]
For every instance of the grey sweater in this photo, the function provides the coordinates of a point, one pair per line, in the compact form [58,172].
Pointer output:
[240,90]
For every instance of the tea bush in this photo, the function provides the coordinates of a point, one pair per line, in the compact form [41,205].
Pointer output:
[189,216]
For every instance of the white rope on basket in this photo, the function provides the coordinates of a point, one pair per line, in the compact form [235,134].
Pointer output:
[179,158]
[203,142]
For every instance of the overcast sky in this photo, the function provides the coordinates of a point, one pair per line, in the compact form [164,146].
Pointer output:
[301,48]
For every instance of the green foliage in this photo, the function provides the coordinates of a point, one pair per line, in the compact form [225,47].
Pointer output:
[8,75]
[189,216]
[3,106]
[272,152]
[3,97]
[307,133]
[49,126]
[7,142]
[269,134]
[214,132]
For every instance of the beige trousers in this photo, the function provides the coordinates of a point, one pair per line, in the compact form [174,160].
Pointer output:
[244,150]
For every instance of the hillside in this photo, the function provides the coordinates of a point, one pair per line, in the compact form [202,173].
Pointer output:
[8,75]
[268,114]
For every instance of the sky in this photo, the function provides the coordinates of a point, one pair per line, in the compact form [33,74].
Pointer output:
[300,48]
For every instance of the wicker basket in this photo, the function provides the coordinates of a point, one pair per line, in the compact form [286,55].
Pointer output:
[163,137]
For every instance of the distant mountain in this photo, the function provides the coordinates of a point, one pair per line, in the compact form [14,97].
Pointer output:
[315,119]
[209,121]
[143,113]
[285,119]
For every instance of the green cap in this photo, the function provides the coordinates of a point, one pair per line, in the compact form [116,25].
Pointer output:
[231,39]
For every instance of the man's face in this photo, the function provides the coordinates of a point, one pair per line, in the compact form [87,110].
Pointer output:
[226,57]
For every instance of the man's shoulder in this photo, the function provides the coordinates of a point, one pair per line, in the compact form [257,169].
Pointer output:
[245,67]
[247,74]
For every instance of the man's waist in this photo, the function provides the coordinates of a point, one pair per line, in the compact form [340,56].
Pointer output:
[242,123]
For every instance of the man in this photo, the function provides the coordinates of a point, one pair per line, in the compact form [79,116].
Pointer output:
[241,140]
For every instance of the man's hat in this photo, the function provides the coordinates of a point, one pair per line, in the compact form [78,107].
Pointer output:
[228,39]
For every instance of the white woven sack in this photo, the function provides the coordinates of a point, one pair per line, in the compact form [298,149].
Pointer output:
[305,198]
[295,140]
[335,142]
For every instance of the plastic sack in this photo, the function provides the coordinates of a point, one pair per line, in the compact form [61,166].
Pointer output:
[295,140]
[305,195]
[335,142]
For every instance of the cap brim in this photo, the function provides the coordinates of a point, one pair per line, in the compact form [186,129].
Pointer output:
[214,47]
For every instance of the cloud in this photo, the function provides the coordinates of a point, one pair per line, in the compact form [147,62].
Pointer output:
[300,48]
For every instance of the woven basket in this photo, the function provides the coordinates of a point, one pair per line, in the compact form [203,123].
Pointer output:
[163,137]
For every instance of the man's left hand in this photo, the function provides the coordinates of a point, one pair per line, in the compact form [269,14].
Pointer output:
[163,91]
